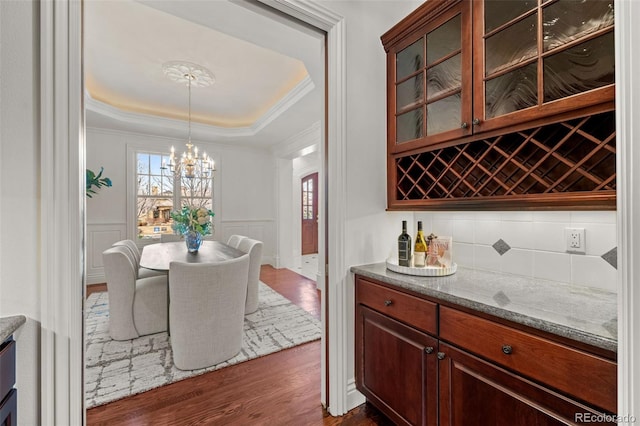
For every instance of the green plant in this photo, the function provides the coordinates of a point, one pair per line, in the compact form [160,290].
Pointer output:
[96,180]
[196,219]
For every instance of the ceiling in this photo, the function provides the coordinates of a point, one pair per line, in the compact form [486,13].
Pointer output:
[268,70]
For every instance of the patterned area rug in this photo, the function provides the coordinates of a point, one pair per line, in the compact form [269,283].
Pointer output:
[117,369]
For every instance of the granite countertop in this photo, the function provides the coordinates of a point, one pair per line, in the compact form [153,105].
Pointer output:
[8,325]
[584,314]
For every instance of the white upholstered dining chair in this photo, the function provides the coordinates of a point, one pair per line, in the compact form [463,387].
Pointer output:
[254,249]
[206,311]
[135,257]
[234,240]
[137,306]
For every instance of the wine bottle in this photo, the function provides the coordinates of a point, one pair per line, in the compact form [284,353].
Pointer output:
[404,246]
[420,249]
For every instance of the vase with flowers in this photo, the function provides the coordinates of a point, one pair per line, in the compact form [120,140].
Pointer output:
[194,223]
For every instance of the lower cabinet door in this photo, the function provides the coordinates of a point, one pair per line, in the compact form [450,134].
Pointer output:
[475,392]
[396,368]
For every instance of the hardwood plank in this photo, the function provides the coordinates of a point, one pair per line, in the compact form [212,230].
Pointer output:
[278,389]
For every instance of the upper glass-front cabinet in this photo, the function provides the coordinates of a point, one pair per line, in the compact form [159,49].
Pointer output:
[534,58]
[457,68]
[430,98]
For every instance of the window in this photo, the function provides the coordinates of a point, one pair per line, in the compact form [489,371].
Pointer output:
[307,199]
[159,193]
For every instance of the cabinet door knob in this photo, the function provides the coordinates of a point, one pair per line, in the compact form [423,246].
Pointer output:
[507,349]
[476,121]
[464,125]
[428,349]
[388,302]
[441,355]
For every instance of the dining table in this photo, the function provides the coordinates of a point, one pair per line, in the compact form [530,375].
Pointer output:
[159,256]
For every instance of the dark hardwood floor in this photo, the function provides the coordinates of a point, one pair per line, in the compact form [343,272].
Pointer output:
[278,389]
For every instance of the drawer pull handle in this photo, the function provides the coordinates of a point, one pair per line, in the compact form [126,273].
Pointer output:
[507,349]
[428,349]
[441,355]
[388,302]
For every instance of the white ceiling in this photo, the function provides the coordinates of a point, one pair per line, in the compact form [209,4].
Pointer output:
[269,71]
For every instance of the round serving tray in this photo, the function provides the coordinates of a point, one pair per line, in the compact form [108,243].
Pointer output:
[427,271]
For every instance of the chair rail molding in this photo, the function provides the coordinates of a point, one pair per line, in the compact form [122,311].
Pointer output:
[627,13]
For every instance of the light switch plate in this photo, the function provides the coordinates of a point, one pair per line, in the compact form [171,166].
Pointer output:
[575,240]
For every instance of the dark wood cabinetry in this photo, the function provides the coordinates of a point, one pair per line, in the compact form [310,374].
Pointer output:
[470,370]
[487,86]
[8,395]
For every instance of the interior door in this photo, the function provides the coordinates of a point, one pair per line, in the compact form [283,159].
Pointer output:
[310,214]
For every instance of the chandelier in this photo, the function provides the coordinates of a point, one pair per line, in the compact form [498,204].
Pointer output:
[190,164]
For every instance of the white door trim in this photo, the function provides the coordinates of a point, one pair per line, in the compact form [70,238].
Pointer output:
[336,172]
[62,189]
[62,212]
[627,31]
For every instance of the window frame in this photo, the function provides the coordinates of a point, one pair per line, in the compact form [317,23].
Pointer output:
[132,190]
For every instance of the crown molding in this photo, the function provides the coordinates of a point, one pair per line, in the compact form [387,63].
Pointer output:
[172,124]
[292,146]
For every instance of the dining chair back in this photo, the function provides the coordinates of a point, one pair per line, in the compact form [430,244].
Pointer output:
[254,249]
[234,240]
[206,311]
[135,258]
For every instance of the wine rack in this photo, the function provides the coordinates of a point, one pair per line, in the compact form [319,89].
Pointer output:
[570,163]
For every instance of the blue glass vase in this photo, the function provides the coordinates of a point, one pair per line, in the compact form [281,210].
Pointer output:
[193,239]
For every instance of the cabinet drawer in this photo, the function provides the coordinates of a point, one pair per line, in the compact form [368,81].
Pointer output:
[418,313]
[577,373]
[7,367]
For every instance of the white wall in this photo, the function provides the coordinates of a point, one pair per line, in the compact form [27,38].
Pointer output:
[244,192]
[19,186]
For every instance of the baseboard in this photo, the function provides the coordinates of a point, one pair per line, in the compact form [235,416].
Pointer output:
[96,278]
[354,397]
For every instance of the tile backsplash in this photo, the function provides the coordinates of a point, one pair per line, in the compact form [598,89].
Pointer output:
[531,243]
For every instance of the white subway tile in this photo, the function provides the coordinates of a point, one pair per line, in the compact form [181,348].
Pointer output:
[517,261]
[593,271]
[517,234]
[463,254]
[518,216]
[544,216]
[549,236]
[552,266]
[601,237]
[442,227]
[443,215]
[593,216]
[487,232]
[487,216]
[486,257]
[463,215]
[463,231]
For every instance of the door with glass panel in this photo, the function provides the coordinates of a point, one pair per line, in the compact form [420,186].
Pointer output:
[310,214]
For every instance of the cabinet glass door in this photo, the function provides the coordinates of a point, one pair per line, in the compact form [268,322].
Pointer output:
[432,83]
[534,58]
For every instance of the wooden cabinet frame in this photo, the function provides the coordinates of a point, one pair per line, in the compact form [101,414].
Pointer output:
[438,188]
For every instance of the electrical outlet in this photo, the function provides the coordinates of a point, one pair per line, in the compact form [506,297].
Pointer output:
[576,242]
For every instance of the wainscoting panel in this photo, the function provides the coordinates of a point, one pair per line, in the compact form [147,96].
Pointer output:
[263,230]
[99,238]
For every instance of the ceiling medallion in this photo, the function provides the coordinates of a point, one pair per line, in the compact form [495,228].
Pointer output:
[184,72]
